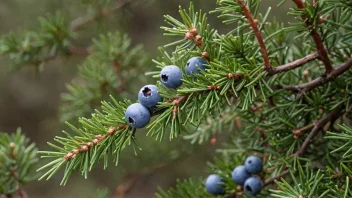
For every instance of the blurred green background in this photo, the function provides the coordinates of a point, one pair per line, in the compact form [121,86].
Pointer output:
[31,101]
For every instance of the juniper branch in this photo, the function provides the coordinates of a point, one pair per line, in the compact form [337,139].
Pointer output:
[323,54]
[254,24]
[273,179]
[17,158]
[304,88]
[318,125]
[295,64]
[299,132]
[20,192]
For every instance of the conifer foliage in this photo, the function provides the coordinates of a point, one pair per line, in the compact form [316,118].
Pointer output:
[281,92]
[18,159]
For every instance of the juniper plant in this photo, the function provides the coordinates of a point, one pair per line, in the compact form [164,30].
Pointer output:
[279,91]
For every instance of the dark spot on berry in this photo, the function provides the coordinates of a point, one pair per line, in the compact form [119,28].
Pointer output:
[164,78]
[130,120]
[188,64]
[248,188]
[147,92]
[250,161]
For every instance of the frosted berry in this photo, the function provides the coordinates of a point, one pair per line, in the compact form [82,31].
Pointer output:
[194,65]
[253,186]
[240,175]
[253,164]
[214,185]
[137,115]
[171,76]
[148,96]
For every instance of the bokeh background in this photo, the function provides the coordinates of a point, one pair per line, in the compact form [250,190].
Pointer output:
[31,101]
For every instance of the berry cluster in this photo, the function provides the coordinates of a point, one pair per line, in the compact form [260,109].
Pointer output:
[241,175]
[138,115]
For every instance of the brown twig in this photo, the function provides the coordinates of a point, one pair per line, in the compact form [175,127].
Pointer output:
[273,179]
[323,54]
[303,88]
[318,125]
[179,99]
[86,146]
[80,51]
[123,189]
[299,132]
[295,64]
[20,193]
[254,24]
[79,22]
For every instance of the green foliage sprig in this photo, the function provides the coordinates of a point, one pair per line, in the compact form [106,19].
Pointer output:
[38,47]
[235,77]
[281,85]
[18,158]
[108,70]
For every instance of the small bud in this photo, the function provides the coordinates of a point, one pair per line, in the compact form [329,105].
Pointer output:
[238,123]
[296,131]
[112,131]
[255,21]
[236,76]
[99,137]
[95,141]
[300,196]
[213,141]
[122,127]
[75,151]
[210,87]
[89,144]
[254,108]
[68,156]
[174,111]
[239,188]
[188,35]
[194,31]
[84,148]
[320,20]
[198,38]
[346,56]
[229,75]
[328,17]
[175,103]
[12,145]
[305,73]
[205,55]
